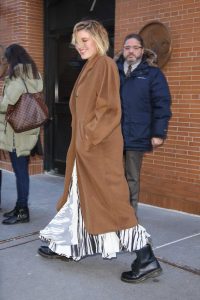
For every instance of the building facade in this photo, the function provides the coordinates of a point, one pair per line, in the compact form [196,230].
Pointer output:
[171,175]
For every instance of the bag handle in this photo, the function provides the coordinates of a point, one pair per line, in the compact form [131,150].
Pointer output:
[3,90]
[25,85]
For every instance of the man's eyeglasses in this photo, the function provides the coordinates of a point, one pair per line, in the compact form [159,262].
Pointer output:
[128,48]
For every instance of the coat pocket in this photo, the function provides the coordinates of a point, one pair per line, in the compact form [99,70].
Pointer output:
[139,127]
[82,140]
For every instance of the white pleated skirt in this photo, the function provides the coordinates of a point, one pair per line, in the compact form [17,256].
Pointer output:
[67,236]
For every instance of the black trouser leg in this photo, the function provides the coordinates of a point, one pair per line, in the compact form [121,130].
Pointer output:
[133,163]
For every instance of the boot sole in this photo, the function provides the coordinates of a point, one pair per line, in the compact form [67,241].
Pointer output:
[17,222]
[152,274]
[8,216]
[54,256]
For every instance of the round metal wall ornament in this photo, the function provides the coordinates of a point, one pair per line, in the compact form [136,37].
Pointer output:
[157,37]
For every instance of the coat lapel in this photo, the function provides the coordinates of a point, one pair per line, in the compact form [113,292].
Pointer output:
[87,67]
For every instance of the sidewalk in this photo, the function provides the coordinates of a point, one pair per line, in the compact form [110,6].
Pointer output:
[24,275]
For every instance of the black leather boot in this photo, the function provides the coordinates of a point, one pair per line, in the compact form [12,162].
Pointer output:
[144,266]
[21,215]
[11,213]
[47,253]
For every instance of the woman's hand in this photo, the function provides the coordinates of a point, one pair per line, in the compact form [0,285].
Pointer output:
[3,70]
[3,64]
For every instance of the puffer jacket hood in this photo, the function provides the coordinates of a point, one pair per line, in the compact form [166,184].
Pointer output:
[149,56]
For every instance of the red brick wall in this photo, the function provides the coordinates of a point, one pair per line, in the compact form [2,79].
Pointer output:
[21,22]
[171,175]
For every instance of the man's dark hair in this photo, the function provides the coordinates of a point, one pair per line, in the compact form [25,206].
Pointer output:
[135,36]
[16,54]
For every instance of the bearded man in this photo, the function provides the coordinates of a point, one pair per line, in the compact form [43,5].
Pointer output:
[145,100]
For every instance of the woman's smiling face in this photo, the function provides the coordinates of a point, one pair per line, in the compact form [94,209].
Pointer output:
[85,44]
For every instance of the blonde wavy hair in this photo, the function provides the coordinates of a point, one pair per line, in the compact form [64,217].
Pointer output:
[97,31]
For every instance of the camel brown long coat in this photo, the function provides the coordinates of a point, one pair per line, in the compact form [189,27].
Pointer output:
[97,146]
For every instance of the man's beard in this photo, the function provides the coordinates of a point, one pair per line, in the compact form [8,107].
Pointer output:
[133,61]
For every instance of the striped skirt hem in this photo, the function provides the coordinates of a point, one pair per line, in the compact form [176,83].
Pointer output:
[67,235]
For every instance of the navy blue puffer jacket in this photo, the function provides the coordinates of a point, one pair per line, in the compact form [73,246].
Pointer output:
[145,100]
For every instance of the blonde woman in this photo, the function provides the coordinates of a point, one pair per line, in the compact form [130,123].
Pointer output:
[95,215]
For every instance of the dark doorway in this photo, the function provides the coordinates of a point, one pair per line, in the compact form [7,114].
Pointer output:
[62,66]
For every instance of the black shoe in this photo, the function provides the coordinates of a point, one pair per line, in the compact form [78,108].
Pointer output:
[46,252]
[145,266]
[21,216]
[11,213]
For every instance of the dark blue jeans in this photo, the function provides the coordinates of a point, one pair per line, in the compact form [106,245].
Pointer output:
[20,167]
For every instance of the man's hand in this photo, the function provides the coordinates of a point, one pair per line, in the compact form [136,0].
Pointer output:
[156,142]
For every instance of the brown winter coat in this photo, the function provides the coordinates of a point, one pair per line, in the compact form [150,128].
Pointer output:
[97,146]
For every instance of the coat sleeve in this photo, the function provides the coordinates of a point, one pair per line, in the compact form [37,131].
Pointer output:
[161,101]
[108,109]
[12,93]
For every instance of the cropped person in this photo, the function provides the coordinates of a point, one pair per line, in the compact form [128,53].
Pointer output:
[3,63]
[22,72]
